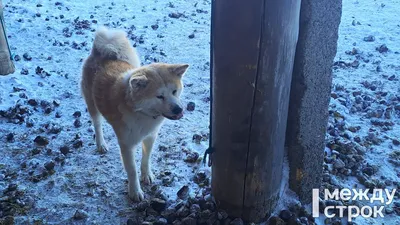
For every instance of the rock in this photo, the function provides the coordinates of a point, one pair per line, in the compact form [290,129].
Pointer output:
[191,106]
[183,193]
[177,222]
[189,221]
[355,64]
[77,114]
[55,129]
[152,213]
[339,164]
[175,15]
[32,102]
[369,170]
[191,36]
[158,204]
[27,57]
[192,157]
[10,137]
[396,142]
[133,221]
[49,165]
[285,215]
[161,221]
[210,205]
[382,49]
[200,177]
[276,221]
[369,38]
[56,103]
[41,72]
[369,184]
[195,208]
[154,27]
[142,206]
[40,140]
[389,210]
[7,220]
[58,114]
[24,71]
[326,177]
[183,211]
[77,123]
[64,150]
[80,214]
[169,214]
[236,221]
[77,144]
[197,138]
[11,187]
[205,214]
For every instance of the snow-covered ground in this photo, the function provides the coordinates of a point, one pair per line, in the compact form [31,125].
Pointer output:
[64,180]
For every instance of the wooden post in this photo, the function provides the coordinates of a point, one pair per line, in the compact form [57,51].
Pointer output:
[6,64]
[253,49]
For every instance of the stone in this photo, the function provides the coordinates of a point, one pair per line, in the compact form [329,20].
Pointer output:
[158,204]
[183,193]
[80,215]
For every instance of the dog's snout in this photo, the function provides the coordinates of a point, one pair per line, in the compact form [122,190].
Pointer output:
[177,110]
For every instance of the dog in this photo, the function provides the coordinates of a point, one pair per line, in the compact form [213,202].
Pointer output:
[133,99]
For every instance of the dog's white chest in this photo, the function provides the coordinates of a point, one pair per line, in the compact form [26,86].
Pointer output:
[138,127]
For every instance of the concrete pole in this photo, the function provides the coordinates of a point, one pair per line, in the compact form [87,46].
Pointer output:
[310,94]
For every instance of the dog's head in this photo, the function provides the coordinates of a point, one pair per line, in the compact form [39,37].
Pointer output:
[155,90]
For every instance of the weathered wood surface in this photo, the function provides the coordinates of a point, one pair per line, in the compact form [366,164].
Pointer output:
[6,64]
[253,52]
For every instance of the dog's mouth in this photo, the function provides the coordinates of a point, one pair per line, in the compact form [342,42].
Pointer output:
[173,117]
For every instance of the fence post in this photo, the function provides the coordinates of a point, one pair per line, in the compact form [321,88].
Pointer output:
[253,49]
[6,64]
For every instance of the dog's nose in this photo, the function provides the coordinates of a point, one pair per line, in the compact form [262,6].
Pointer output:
[177,110]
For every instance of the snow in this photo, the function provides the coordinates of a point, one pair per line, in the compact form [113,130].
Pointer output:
[97,183]
[85,171]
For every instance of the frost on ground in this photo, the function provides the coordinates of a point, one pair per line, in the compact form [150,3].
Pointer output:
[47,146]
[51,173]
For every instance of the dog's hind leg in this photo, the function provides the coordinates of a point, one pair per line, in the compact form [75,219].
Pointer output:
[147,176]
[98,127]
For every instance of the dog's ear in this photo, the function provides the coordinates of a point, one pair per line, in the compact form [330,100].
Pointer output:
[178,69]
[138,81]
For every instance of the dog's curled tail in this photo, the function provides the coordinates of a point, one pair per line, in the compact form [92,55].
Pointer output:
[114,45]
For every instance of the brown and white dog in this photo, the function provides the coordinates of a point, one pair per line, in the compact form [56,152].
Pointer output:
[134,99]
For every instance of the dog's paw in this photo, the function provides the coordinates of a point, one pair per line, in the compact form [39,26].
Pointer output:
[135,194]
[147,178]
[102,149]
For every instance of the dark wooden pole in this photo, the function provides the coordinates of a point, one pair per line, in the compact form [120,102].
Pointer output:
[253,48]
[6,64]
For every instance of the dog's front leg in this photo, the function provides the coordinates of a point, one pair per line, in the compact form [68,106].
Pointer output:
[147,176]
[128,157]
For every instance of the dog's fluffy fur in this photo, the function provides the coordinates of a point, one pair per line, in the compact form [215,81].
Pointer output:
[134,99]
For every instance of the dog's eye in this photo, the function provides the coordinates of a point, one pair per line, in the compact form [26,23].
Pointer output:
[174,92]
[160,97]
